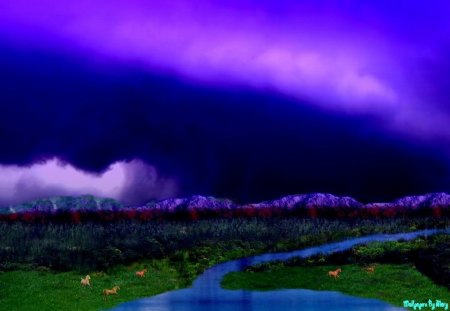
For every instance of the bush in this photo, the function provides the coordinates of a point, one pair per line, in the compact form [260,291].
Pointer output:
[67,246]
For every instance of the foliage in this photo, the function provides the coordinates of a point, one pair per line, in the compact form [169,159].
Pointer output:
[431,256]
[85,246]
[88,208]
[174,251]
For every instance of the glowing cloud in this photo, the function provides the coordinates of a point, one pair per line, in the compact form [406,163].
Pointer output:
[52,178]
[351,56]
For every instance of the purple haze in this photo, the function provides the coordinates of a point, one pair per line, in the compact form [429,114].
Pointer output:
[386,59]
[350,56]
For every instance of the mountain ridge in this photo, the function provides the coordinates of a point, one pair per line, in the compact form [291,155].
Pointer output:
[204,203]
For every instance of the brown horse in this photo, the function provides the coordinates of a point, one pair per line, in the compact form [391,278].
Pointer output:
[141,273]
[334,273]
[112,291]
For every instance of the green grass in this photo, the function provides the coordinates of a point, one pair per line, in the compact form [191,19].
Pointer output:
[31,289]
[391,283]
[187,248]
[46,290]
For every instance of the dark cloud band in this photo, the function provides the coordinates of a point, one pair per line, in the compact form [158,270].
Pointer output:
[229,141]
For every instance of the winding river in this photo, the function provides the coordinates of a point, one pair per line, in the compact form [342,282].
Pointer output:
[207,295]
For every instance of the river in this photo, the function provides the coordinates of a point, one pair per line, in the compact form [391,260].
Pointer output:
[207,295]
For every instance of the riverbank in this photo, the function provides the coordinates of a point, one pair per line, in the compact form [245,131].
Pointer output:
[36,286]
[99,246]
[402,270]
[34,289]
[390,283]
[46,290]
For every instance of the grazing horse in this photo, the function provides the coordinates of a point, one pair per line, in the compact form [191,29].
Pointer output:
[86,281]
[370,269]
[141,273]
[112,291]
[334,273]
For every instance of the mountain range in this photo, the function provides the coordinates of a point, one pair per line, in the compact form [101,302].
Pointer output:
[204,203]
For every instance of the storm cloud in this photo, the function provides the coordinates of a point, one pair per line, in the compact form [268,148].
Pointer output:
[249,100]
[231,141]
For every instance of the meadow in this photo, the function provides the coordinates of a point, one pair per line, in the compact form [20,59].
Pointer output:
[406,270]
[390,283]
[41,265]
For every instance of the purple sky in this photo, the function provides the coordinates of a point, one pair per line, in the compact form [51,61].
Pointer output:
[53,178]
[351,56]
[384,59]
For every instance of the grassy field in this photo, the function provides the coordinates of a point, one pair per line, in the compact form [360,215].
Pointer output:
[38,272]
[40,288]
[46,290]
[389,282]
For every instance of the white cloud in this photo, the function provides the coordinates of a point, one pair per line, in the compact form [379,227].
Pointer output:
[53,178]
[364,86]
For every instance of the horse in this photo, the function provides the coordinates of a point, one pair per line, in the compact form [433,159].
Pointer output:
[112,291]
[334,273]
[370,269]
[86,281]
[141,273]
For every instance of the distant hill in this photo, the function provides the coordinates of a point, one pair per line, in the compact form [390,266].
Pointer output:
[428,200]
[307,201]
[194,207]
[65,203]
